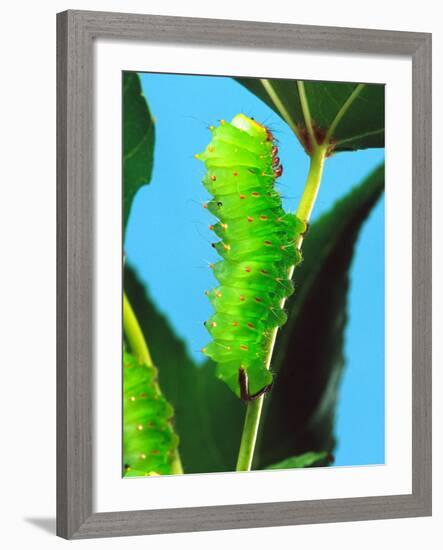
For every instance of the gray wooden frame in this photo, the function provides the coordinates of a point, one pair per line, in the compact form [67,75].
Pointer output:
[76,32]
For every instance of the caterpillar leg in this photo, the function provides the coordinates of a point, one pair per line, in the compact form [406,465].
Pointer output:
[244,387]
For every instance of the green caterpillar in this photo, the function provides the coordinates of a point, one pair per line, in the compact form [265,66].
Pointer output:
[149,440]
[258,250]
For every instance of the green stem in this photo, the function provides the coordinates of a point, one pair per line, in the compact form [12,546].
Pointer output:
[139,348]
[134,334]
[249,436]
[254,408]
[312,185]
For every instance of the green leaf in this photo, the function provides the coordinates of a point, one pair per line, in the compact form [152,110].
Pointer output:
[138,140]
[208,416]
[300,409]
[149,440]
[306,460]
[352,113]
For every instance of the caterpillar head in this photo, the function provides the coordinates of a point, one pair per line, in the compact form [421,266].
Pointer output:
[250,126]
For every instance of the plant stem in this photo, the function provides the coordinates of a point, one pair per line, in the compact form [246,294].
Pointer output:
[134,334]
[249,436]
[312,186]
[254,408]
[139,348]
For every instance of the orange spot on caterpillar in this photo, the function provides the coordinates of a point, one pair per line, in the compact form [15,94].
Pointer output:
[263,217]
[226,246]
[243,196]
[248,269]
[155,452]
[243,347]
[211,227]
[143,395]
[235,324]
[242,298]
[250,219]
[213,178]
[205,205]
[235,173]
[250,325]
[255,194]
[218,294]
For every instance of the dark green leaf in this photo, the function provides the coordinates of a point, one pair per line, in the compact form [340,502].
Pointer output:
[299,411]
[360,127]
[138,140]
[307,460]
[208,416]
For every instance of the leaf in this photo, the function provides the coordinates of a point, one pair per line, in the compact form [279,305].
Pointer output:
[208,416]
[149,440]
[354,113]
[306,460]
[299,412]
[138,140]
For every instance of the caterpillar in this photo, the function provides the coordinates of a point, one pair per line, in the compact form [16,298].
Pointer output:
[148,436]
[257,247]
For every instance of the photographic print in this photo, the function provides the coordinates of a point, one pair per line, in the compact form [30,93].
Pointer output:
[253,274]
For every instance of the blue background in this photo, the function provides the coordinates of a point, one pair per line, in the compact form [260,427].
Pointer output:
[175,267]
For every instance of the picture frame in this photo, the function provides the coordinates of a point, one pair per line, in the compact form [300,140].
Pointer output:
[76,33]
